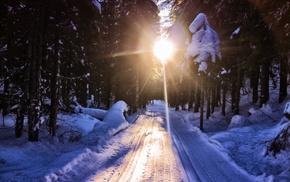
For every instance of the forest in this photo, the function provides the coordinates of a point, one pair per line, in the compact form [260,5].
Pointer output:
[56,53]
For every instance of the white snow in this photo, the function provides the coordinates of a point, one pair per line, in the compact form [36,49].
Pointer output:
[96,113]
[60,42]
[239,121]
[98,5]
[236,32]
[83,123]
[204,43]
[115,117]
[287,108]
[73,25]
[9,8]
[57,159]
[4,48]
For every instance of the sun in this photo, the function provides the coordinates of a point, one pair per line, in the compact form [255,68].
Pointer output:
[163,50]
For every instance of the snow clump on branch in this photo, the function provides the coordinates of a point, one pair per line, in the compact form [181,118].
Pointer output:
[204,43]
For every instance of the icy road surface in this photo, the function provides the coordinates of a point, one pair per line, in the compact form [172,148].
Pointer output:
[147,153]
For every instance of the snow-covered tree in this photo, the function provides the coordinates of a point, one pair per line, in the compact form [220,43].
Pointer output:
[204,45]
[203,49]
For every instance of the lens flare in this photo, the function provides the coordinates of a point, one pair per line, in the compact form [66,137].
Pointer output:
[163,50]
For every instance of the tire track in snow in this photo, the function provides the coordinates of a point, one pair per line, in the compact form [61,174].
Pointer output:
[201,160]
[138,158]
[184,157]
[194,169]
[116,172]
[150,158]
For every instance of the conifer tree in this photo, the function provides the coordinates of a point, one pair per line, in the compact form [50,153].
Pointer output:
[204,51]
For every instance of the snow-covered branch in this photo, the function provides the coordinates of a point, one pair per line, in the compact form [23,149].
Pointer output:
[204,43]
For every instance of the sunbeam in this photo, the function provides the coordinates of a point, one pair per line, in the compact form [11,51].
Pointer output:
[166,102]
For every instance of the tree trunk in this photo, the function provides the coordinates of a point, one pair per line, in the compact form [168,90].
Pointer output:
[265,81]
[6,99]
[255,82]
[32,119]
[55,73]
[283,78]
[108,90]
[39,57]
[234,76]
[19,118]
[23,99]
[218,94]
[35,75]
[213,98]
[201,103]
[208,95]
[224,99]
[190,95]
[237,93]
[197,95]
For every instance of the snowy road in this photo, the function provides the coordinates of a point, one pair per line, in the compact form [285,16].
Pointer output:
[151,155]
[142,152]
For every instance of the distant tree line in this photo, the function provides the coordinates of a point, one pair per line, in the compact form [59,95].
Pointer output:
[255,46]
[54,53]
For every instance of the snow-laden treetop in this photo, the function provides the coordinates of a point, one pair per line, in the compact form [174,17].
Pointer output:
[204,42]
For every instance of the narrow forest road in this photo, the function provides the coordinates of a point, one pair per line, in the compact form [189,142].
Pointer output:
[150,155]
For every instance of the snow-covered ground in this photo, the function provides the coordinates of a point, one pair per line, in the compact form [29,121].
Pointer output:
[247,144]
[71,157]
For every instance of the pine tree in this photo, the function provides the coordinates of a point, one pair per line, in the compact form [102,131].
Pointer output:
[204,51]
[55,70]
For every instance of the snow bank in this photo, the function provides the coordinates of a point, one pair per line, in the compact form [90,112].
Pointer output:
[261,115]
[75,160]
[239,121]
[86,120]
[96,113]
[8,121]
[117,113]
[76,122]
[115,117]
[266,109]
